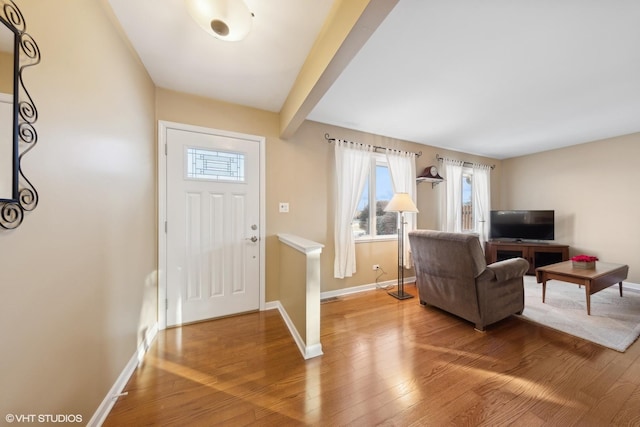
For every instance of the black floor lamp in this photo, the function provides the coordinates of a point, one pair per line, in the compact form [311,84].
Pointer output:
[401,202]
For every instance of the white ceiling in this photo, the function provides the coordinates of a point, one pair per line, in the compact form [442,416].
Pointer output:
[499,78]
[257,72]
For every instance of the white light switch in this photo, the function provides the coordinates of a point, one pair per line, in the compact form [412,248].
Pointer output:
[284,207]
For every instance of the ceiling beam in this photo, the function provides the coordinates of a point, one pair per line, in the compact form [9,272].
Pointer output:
[347,28]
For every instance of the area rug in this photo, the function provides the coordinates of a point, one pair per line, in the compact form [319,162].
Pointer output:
[614,322]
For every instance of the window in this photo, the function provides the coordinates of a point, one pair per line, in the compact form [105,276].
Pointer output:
[466,199]
[370,220]
[467,224]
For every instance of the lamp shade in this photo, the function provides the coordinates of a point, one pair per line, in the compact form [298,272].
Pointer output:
[401,202]
[224,19]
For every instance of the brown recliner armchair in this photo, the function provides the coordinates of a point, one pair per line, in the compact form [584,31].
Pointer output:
[452,274]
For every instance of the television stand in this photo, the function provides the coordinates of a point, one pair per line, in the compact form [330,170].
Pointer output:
[538,254]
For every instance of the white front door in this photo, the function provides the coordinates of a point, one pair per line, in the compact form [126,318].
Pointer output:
[213,219]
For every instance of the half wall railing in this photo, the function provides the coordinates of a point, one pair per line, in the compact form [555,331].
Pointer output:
[299,302]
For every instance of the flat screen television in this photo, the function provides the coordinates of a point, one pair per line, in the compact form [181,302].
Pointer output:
[522,225]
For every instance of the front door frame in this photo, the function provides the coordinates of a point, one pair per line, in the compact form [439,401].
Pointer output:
[163,126]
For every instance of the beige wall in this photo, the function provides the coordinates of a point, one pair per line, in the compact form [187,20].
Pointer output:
[301,171]
[593,189]
[429,196]
[293,286]
[308,162]
[194,110]
[77,277]
[6,72]
[312,164]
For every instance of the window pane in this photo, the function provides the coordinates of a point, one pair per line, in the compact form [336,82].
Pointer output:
[467,202]
[360,223]
[215,165]
[386,222]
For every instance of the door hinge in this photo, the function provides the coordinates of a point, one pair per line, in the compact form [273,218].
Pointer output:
[166,304]
[165,227]
[165,149]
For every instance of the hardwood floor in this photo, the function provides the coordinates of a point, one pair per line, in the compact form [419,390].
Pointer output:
[385,362]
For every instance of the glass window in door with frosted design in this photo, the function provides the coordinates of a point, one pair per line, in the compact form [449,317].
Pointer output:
[215,165]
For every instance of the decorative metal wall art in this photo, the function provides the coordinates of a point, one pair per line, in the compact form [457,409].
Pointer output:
[17,194]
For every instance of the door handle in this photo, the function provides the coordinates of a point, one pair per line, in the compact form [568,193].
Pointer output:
[252,238]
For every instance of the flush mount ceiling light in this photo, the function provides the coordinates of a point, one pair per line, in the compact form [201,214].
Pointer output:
[228,20]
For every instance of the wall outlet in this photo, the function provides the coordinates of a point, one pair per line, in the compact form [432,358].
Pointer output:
[283,207]
[376,267]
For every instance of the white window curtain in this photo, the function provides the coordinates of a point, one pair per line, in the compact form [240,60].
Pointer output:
[352,167]
[402,168]
[451,205]
[481,190]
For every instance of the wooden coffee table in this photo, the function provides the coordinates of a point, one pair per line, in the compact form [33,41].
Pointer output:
[604,275]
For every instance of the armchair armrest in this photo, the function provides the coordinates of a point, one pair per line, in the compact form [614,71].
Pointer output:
[508,269]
